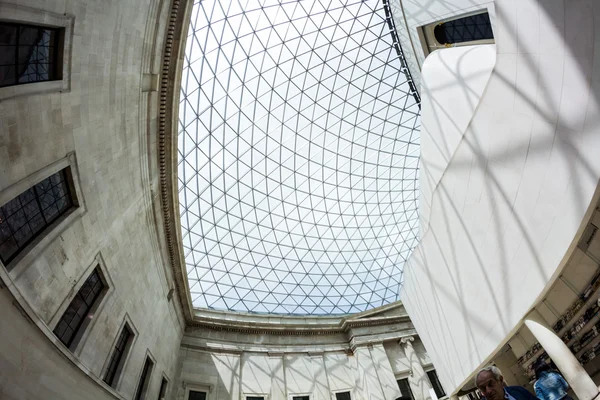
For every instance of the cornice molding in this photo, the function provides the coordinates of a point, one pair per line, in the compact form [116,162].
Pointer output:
[313,347]
[167,135]
[343,327]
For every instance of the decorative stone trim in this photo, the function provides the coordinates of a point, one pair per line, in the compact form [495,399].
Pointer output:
[343,327]
[407,340]
[167,161]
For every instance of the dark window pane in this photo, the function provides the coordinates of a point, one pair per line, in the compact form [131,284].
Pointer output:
[143,383]
[16,220]
[301,398]
[8,75]
[28,214]
[23,235]
[75,314]
[405,390]
[9,247]
[51,213]
[60,328]
[467,29]
[37,223]
[202,396]
[255,398]
[343,396]
[117,356]
[27,54]
[8,34]
[435,382]
[163,389]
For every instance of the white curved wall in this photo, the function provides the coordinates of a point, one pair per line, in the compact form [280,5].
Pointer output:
[448,110]
[515,191]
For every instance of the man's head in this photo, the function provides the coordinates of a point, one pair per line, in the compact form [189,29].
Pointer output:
[490,382]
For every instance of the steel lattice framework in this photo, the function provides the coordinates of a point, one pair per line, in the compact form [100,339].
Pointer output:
[298,156]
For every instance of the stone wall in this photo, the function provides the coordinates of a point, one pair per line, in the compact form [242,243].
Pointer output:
[365,359]
[102,122]
[369,373]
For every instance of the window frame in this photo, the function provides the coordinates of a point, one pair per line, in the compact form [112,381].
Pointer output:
[86,328]
[407,378]
[335,393]
[56,59]
[31,208]
[164,380]
[13,13]
[429,43]
[197,387]
[71,343]
[123,363]
[143,387]
[292,395]
[51,232]
[427,371]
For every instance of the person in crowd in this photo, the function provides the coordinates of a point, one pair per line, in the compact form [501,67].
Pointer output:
[490,382]
[550,385]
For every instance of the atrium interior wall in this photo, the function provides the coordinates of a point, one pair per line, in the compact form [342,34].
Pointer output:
[365,358]
[509,172]
[101,122]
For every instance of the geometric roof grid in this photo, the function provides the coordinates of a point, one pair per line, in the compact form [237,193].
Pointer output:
[298,157]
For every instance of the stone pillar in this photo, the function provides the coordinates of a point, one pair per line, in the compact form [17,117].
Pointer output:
[569,366]
[419,382]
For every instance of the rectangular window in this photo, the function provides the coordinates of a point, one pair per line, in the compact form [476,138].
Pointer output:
[193,395]
[162,394]
[405,390]
[29,53]
[435,382]
[255,398]
[301,398]
[144,379]
[470,29]
[342,396]
[117,358]
[26,216]
[79,309]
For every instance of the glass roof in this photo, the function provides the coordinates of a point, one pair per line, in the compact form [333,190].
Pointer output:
[298,156]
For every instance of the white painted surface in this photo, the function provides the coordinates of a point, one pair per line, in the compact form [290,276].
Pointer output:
[517,188]
[366,374]
[448,109]
[234,362]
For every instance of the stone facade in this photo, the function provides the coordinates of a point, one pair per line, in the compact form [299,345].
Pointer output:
[360,354]
[101,121]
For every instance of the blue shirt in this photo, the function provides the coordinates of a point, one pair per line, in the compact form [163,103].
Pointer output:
[550,386]
[508,396]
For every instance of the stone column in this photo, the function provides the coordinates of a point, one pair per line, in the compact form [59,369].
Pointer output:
[569,366]
[419,382]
